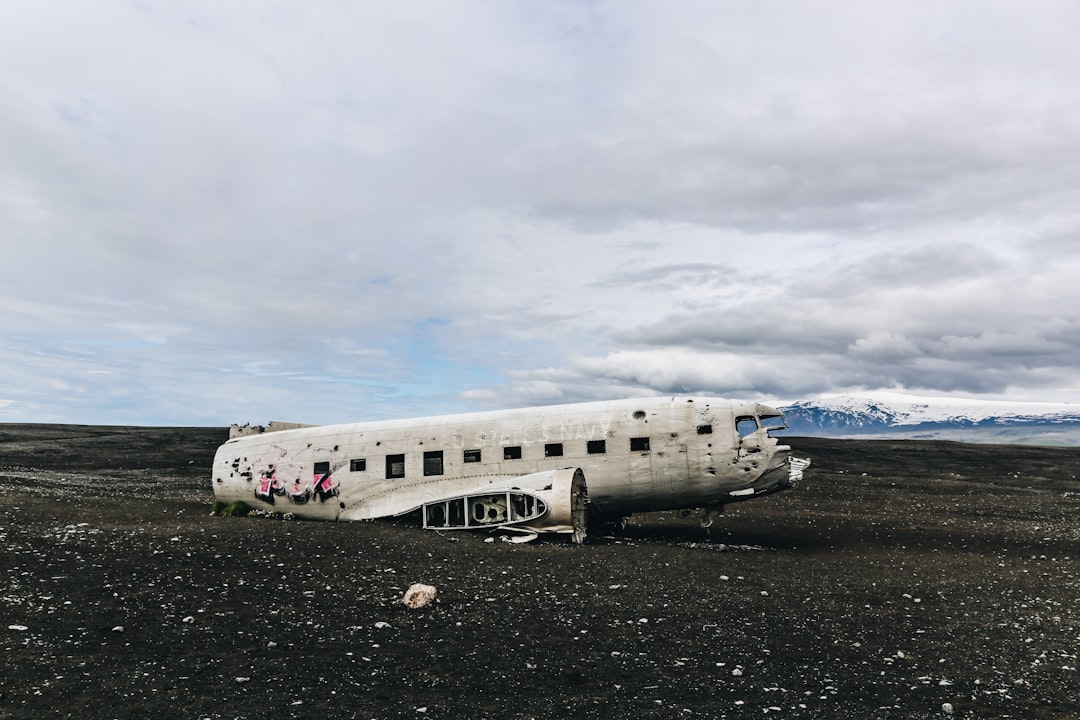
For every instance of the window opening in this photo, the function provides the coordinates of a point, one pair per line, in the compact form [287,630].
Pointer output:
[596,447]
[472,456]
[639,444]
[513,452]
[322,468]
[457,512]
[358,465]
[433,464]
[553,450]
[746,426]
[704,429]
[395,466]
[488,510]
[436,515]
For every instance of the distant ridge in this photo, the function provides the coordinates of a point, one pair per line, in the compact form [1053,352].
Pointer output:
[895,415]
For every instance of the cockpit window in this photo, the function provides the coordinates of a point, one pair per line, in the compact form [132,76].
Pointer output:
[772,422]
[746,425]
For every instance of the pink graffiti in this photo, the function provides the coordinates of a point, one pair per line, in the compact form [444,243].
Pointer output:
[269,485]
[325,486]
[322,485]
[298,493]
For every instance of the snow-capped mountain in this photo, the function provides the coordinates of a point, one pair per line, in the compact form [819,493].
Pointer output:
[896,415]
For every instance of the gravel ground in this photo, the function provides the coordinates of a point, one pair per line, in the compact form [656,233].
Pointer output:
[900,580]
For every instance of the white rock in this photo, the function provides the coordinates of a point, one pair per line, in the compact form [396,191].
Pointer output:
[381,625]
[118,629]
[20,628]
[418,595]
[947,708]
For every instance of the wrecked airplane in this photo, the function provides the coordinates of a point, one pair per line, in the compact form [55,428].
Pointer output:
[533,470]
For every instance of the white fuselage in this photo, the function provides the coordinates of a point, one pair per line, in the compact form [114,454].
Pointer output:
[637,455]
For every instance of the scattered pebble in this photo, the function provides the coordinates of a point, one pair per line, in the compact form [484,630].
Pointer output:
[418,595]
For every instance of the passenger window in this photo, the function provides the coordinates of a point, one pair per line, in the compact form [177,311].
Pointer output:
[358,465]
[639,444]
[553,450]
[322,468]
[746,426]
[512,452]
[433,463]
[596,447]
[395,466]
[472,456]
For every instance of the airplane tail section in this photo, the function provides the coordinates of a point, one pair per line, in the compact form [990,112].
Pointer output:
[236,431]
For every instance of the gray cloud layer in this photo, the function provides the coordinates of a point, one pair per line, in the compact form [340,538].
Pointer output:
[330,211]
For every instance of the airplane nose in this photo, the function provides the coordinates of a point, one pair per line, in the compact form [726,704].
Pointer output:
[784,472]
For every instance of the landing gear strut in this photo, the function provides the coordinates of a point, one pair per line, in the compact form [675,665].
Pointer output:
[711,513]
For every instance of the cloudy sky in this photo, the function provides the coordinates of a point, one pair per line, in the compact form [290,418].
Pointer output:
[334,211]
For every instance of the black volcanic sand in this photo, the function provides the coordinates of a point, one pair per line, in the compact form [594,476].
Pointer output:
[899,577]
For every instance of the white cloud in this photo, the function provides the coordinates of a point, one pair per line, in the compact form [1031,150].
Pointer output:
[323,212]
[882,344]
